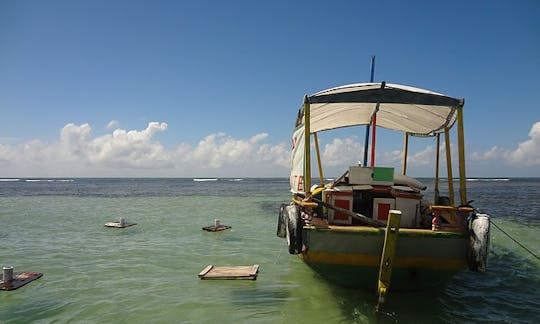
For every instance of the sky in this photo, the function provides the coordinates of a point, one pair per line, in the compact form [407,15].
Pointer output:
[211,88]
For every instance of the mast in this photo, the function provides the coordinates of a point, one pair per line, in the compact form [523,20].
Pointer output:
[366,143]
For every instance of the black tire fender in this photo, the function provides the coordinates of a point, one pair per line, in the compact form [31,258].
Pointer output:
[293,229]
[478,243]
[281,227]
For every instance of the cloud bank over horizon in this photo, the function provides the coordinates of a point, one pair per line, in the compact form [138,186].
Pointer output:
[525,155]
[134,153]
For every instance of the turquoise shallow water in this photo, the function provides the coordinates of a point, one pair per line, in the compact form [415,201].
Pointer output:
[148,273]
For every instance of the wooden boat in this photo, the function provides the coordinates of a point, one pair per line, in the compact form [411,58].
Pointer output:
[373,223]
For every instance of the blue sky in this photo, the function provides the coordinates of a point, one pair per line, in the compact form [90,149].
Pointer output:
[211,88]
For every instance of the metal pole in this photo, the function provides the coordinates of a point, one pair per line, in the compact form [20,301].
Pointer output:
[372,68]
[366,143]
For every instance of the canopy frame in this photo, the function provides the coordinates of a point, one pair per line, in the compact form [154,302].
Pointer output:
[395,104]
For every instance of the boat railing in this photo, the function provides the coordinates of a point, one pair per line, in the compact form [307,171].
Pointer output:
[450,218]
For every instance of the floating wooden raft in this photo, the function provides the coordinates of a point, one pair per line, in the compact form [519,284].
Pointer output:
[214,228]
[19,279]
[230,272]
[119,225]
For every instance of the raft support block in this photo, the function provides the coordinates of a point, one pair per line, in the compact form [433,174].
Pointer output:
[10,280]
[7,274]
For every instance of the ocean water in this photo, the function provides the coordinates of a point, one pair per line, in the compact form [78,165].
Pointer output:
[148,273]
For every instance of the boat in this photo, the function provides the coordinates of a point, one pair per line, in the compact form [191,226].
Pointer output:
[374,225]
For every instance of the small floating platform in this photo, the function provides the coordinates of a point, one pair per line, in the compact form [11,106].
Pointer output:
[19,279]
[230,272]
[120,224]
[214,228]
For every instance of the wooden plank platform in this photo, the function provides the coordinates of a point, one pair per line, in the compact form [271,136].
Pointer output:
[19,279]
[214,228]
[119,225]
[230,272]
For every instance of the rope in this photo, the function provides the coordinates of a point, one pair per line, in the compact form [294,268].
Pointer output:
[278,256]
[523,246]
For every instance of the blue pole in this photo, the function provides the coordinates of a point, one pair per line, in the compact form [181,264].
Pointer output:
[366,143]
[372,68]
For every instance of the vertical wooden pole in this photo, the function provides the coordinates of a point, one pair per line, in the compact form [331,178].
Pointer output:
[405,153]
[374,123]
[321,177]
[373,139]
[366,146]
[437,162]
[307,148]
[461,150]
[449,166]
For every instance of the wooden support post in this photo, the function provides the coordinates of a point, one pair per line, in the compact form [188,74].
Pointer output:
[321,177]
[449,166]
[373,137]
[438,156]
[307,147]
[387,257]
[405,153]
[461,150]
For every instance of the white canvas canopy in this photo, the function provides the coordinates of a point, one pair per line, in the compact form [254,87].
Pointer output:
[414,111]
[402,108]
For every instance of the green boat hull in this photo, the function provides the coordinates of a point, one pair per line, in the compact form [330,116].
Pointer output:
[350,255]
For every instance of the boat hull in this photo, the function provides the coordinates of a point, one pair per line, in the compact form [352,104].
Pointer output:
[350,255]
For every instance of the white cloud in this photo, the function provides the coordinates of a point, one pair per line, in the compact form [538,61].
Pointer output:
[129,149]
[258,138]
[243,157]
[390,158]
[74,142]
[136,153]
[494,153]
[342,152]
[113,124]
[527,153]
